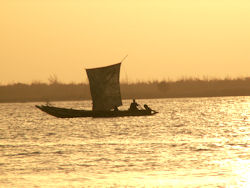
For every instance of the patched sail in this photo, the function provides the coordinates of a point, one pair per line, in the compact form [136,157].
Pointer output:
[105,87]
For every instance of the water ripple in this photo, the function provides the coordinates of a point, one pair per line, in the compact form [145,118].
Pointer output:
[193,142]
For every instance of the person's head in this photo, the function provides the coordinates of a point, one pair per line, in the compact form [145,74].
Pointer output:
[133,100]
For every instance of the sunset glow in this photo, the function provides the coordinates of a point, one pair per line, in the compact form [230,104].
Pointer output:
[163,39]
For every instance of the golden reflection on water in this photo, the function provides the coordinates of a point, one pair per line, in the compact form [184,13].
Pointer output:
[202,142]
[241,169]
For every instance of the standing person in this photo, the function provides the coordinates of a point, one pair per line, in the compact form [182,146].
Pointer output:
[133,106]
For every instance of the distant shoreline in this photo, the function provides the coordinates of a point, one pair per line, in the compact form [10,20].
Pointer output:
[42,92]
[66,100]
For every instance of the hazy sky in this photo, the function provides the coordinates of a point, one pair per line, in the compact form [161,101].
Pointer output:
[163,38]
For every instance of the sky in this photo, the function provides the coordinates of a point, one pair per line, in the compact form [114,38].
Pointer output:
[164,39]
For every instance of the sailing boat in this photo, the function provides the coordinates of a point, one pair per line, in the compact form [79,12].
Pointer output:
[106,97]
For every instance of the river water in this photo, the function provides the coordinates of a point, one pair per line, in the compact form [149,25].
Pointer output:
[192,142]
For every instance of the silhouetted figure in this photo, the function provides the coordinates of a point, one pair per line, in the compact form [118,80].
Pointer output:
[115,109]
[147,108]
[133,106]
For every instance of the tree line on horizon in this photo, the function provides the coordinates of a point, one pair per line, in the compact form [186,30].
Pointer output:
[186,87]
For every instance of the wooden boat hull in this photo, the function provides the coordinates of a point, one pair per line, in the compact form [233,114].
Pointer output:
[73,113]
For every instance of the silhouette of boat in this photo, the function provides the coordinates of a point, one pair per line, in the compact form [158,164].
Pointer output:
[106,97]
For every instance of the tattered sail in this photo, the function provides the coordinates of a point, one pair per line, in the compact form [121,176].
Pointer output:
[105,87]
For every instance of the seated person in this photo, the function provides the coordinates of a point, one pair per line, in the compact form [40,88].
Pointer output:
[115,109]
[147,108]
[133,106]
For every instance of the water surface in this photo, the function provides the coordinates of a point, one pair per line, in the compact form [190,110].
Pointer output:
[192,142]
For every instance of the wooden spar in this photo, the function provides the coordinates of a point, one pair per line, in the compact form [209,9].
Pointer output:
[124,58]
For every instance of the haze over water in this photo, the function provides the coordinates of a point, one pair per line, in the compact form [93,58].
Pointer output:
[192,142]
[164,39]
